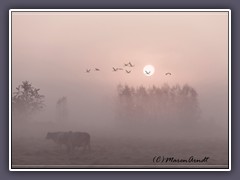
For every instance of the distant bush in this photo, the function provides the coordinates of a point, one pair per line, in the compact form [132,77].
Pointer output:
[61,109]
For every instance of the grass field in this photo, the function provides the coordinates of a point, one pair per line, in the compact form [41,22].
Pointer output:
[35,151]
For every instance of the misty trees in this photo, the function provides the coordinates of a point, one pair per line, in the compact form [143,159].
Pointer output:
[61,109]
[157,104]
[26,101]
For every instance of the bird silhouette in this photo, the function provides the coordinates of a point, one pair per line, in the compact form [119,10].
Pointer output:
[128,71]
[125,64]
[130,64]
[168,73]
[88,70]
[147,72]
[115,69]
[96,69]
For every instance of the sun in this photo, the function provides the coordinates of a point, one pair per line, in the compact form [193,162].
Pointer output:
[148,70]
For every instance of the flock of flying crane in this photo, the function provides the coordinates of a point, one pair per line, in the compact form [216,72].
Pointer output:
[121,69]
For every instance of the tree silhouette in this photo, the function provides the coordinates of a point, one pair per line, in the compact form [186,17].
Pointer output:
[125,102]
[26,101]
[158,104]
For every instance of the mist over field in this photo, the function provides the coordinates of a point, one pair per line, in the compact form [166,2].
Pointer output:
[130,117]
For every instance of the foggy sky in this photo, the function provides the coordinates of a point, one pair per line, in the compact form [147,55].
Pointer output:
[53,50]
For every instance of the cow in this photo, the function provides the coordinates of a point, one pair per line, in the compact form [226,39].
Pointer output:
[71,139]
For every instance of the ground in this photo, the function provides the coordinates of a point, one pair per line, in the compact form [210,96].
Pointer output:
[114,152]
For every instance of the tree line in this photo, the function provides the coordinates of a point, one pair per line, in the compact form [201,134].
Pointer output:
[157,104]
[133,104]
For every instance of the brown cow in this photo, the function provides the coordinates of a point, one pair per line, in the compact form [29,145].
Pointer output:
[71,139]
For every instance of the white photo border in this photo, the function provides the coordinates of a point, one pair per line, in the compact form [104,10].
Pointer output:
[121,167]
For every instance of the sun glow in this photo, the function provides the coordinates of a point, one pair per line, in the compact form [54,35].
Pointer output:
[148,70]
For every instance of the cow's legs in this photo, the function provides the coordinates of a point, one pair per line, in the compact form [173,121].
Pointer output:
[70,148]
[84,148]
[89,147]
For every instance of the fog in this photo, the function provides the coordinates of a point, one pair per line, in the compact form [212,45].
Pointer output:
[53,51]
